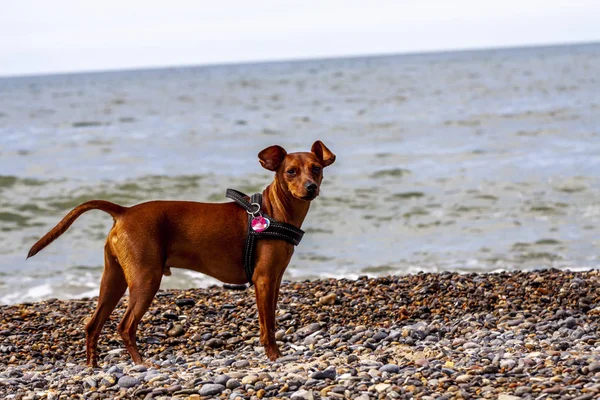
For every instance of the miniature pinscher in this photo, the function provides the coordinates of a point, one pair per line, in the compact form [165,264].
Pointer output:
[148,239]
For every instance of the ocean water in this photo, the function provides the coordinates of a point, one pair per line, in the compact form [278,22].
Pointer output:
[465,161]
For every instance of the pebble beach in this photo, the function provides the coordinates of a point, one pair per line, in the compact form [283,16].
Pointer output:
[508,336]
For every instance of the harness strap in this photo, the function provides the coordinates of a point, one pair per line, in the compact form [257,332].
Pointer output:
[276,230]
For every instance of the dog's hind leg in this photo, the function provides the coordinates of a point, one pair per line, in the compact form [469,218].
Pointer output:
[112,287]
[143,281]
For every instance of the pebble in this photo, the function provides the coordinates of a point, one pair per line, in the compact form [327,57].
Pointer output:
[519,334]
[222,379]
[233,384]
[594,367]
[391,368]
[382,387]
[241,364]
[329,373]
[521,390]
[215,343]
[507,364]
[185,302]
[90,383]
[250,379]
[171,316]
[128,381]
[108,380]
[309,329]
[302,394]
[422,362]
[211,389]
[570,323]
[176,331]
[328,299]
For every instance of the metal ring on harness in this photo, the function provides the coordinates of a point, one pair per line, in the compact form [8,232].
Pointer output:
[253,213]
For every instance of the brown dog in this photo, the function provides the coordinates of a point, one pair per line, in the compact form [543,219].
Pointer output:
[149,238]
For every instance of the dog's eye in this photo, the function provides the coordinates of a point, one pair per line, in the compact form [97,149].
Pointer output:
[316,170]
[291,171]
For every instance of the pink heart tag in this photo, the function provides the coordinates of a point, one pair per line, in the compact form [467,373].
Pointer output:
[259,224]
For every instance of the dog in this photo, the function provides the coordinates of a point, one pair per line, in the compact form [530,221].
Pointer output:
[148,239]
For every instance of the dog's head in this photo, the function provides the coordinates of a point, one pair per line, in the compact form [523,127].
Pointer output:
[300,173]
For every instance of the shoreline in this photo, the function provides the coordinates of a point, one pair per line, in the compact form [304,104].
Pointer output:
[527,335]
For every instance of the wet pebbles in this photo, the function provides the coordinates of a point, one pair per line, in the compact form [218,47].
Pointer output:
[515,335]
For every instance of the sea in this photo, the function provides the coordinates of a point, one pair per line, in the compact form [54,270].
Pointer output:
[470,161]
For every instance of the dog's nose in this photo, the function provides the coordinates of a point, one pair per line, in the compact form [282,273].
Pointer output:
[311,187]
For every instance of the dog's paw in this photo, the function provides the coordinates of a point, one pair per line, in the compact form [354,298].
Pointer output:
[273,353]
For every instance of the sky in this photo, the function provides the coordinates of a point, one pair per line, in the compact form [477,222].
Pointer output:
[41,36]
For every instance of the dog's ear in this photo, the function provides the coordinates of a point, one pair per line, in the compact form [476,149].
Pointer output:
[323,153]
[272,157]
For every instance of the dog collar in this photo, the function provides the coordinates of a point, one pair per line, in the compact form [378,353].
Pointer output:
[261,226]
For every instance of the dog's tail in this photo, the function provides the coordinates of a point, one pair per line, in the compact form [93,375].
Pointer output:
[113,209]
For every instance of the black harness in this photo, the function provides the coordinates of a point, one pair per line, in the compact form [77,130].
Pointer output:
[257,229]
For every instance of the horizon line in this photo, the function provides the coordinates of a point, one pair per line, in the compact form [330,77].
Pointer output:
[301,59]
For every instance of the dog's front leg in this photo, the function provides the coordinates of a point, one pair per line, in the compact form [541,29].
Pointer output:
[266,288]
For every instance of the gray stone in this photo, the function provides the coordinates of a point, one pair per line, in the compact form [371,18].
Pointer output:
[302,395]
[391,368]
[127,381]
[241,364]
[507,364]
[235,395]
[309,329]
[280,334]
[139,368]
[570,322]
[233,384]
[114,369]
[329,373]
[310,340]
[588,396]
[521,390]
[173,388]
[90,383]
[594,367]
[222,379]
[211,389]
